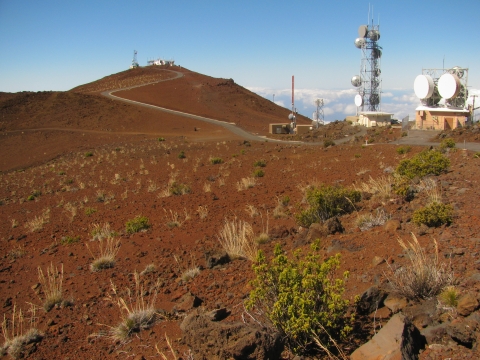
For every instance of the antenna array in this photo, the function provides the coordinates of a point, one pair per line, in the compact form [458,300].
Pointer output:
[369,82]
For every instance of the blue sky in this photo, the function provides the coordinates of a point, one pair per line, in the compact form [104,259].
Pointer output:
[57,45]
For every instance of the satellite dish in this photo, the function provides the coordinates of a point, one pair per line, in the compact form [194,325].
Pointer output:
[290,117]
[360,42]
[423,86]
[460,100]
[356,81]
[374,35]
[377,72]
[363,31]
[358,100]
[374,99]
[457,70]
[449,85]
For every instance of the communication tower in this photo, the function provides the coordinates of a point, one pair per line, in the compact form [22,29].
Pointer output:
[134,60]
[368,82]
[318,115]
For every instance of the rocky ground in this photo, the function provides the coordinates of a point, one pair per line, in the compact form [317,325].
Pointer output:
[74,163]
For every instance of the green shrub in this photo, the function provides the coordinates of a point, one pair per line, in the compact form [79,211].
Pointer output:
[30,198]
[404,133]
[179,189]
[88,154]
[429,162]
[433,215]
[161,139]
[137,224]
[285,200]
[449,296]
[68,240]
[90,211]
[447,144]
[301,297]
[357,156]
[476,155]
[243,152]
[258,173]
[182,155]
[260,163]
[326,202]
[328,142]
[403,149]
[216,160]
[402,187]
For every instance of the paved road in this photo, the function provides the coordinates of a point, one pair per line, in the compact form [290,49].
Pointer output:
[422,138]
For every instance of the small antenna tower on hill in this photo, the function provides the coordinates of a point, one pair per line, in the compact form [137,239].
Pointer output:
[292,116]
[134,61]
[318,115]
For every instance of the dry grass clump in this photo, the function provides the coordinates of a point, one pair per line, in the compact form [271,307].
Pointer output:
[19,332]
[136,313]
[280,211]
[188,271]
[51,286]
[238,239]
[17,252]
[424,277]
[429,186]
[380,188]
[251,210]
[368,221]
[202,211]
[246,183]
[104,257]
[100,232]
[38,221]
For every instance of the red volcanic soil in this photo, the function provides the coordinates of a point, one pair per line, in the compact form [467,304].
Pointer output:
[74,161]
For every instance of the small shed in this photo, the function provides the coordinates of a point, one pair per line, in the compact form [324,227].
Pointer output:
[440,118]
[279,128]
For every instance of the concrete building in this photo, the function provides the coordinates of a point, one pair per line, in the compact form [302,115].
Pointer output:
[374,118]
[440,118]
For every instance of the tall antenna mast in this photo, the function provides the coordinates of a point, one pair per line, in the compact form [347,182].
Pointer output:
[369,80]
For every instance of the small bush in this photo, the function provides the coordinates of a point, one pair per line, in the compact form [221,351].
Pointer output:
[326,202]
[182,155]
[404,133]
[90,211]
[88,154]
[328,142]
[258,173]
[301,297]
[447,144]
[260,163]
[428,162]
[216,160]
[104,258]
[433,215]
[449,296]
[161,139]
[177,188]
[357,156]
[68,240]
[424,277]
[137,224]
[403,149]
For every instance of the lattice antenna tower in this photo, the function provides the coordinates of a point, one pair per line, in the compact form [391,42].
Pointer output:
[134,60]
[369,82]
[318,115]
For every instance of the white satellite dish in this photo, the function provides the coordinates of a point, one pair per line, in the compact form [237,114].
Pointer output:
[363,31]
[423,86]
[449,85]
[358,100]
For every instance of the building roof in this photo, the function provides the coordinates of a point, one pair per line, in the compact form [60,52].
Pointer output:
[374,113]
[441,109]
